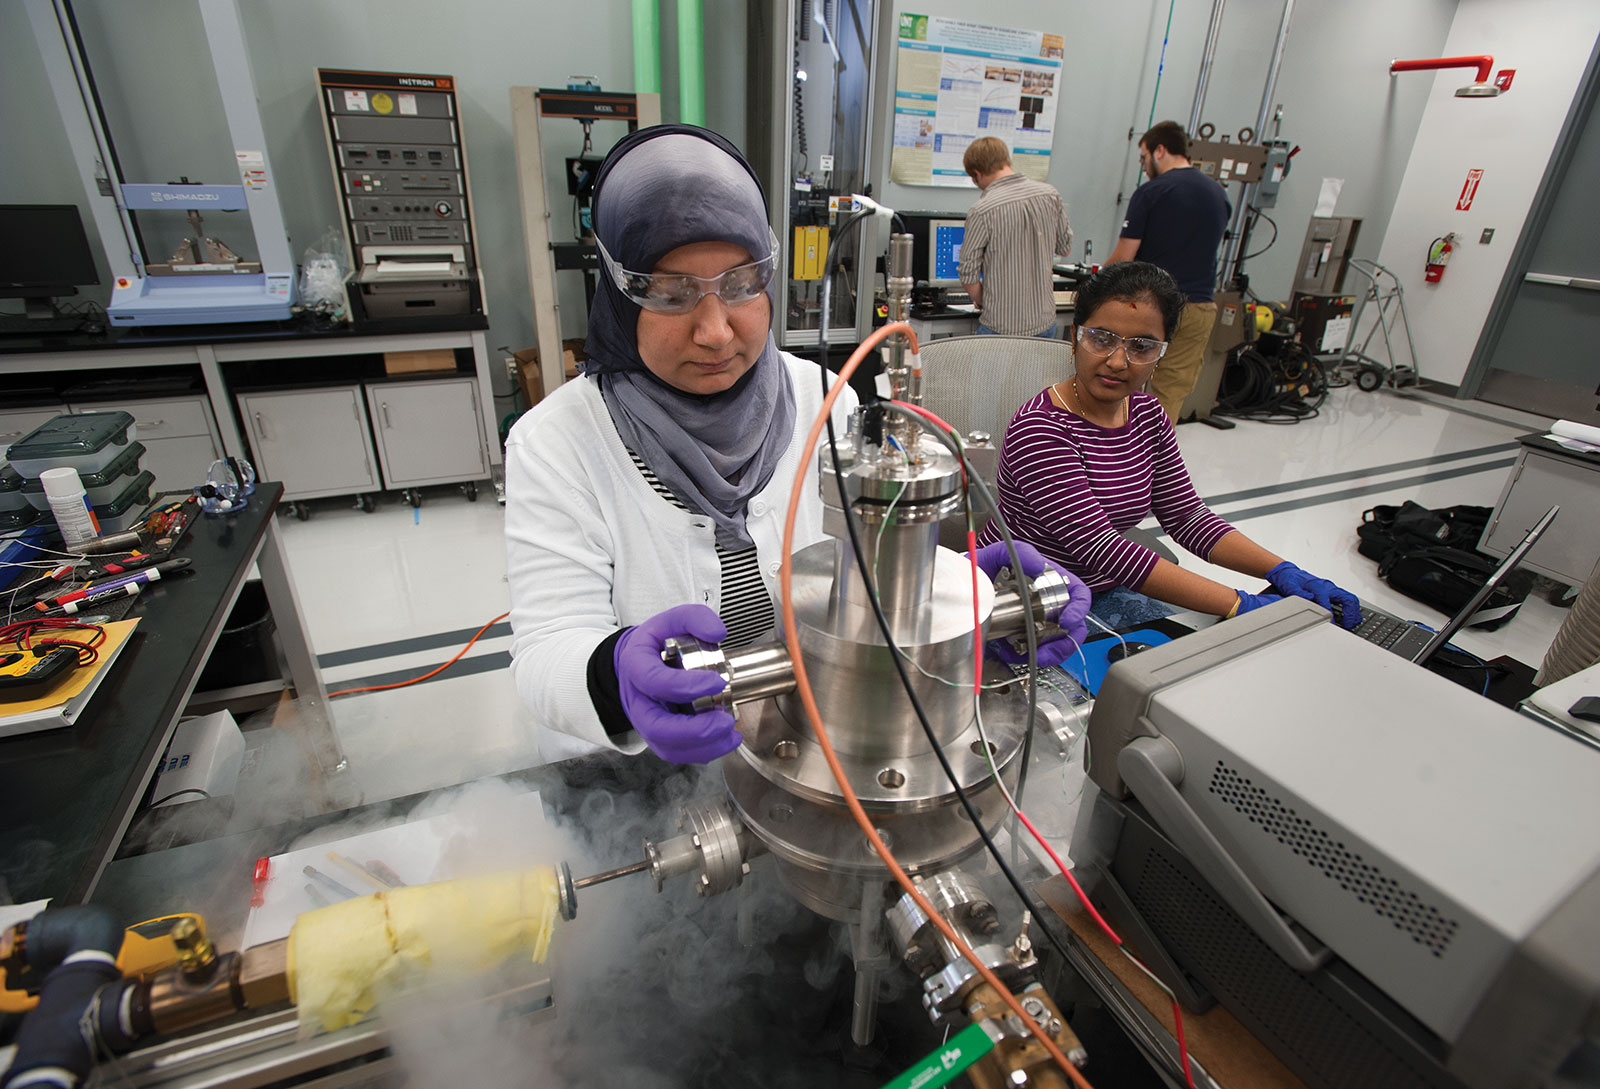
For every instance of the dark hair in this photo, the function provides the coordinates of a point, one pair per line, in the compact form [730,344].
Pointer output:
[985,155]
[1167,134]
[1130,280]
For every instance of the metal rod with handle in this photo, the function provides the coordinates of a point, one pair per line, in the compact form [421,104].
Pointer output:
[1582,283]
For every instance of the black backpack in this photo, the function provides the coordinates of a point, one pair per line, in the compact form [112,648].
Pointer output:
[1430,555]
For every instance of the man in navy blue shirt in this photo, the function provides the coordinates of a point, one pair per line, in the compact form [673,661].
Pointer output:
[1176,220]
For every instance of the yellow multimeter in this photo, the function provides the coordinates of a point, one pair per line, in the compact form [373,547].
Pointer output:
[29,674]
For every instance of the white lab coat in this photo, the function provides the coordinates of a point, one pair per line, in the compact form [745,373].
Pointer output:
[591,547]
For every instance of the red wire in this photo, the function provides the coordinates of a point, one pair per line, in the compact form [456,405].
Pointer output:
[430,673]
[1183,1047]
[977,690]
[820,732]
[24,632]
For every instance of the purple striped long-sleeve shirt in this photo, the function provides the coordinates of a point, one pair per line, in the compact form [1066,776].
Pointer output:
[1069,487]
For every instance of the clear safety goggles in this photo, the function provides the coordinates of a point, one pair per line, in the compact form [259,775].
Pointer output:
[679,293]
[1141,351]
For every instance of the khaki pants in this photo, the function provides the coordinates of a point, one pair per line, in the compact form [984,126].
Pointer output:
[1179,369]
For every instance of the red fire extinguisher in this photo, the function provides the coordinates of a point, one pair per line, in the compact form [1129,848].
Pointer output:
[1438,255]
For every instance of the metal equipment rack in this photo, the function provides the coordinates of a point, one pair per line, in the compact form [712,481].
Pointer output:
[1370,373]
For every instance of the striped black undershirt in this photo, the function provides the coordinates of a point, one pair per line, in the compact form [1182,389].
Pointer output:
[746,606]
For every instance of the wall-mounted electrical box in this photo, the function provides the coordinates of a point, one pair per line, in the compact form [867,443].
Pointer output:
[1330,242]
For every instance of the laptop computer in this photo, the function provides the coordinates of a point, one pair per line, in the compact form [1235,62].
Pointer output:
[1416,643]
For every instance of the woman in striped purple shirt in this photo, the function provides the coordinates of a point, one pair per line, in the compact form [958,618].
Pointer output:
[1092,456]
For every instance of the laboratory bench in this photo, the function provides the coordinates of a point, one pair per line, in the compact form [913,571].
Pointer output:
[68,794]
[311,404]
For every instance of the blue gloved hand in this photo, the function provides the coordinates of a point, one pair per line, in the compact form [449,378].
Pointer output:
[1057,648]
[1290,581]
[1253,601]
[648,685]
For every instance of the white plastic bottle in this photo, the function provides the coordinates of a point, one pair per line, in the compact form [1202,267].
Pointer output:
[70,505]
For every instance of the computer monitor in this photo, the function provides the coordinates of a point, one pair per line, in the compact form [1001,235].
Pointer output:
[44,254]
[1387,878]
[944,251]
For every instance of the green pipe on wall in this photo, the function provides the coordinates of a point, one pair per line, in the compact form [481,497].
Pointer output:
[691,64]
[646,47]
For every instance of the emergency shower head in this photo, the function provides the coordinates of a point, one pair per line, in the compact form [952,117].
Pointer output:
[1478,88]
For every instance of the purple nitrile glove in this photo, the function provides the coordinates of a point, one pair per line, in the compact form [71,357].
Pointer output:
[1291,581]
[1253,601]
[648,687]
[1056,648]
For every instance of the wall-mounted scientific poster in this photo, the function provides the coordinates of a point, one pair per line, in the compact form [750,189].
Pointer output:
[957,80]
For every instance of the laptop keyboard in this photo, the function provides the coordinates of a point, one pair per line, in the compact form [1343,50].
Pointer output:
[1385,631]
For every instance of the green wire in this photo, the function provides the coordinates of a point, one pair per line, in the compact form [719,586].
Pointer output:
[1161,65]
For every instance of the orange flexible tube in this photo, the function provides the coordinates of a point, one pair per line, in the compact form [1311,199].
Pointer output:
[430,673]
[791,638]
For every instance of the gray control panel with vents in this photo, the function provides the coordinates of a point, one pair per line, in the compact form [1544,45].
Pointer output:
[1346,803]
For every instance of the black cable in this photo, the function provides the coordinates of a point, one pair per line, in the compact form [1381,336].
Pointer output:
[1030,636]
[905,680]
[1260,395]
[799,107]
[916,704]
[1262,215]
[829,262]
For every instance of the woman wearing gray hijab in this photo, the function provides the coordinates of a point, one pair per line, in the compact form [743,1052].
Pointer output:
[646,498]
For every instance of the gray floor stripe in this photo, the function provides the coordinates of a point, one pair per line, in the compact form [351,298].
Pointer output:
[1353,493]
[1354,474]
[456,639]
[478,663]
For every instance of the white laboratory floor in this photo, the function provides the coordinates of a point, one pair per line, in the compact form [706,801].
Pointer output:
[389,595]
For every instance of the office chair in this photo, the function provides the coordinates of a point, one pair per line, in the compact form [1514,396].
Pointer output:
[977,383]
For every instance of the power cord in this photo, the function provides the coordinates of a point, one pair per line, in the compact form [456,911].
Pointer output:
[1285,390]
[430,673]
[1273,223]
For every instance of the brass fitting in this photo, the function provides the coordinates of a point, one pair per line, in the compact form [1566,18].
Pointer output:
[196,954]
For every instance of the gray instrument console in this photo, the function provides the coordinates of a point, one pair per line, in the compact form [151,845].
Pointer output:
[396,149]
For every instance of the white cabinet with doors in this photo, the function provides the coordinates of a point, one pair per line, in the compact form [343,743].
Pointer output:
[313,440]
[429,432]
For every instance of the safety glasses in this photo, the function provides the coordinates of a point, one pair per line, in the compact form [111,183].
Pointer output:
[679,293]
[1141,351]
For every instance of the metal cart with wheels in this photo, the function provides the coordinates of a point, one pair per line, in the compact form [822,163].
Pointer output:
[1369,373]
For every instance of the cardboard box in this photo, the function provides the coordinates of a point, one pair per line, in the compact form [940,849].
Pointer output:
[530,378]
[572,354]
[419,362]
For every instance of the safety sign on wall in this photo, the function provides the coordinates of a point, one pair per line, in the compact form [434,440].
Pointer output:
[957,80]
[1469,190]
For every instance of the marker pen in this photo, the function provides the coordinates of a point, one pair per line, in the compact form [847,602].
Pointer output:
[144,575]
[129,590]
